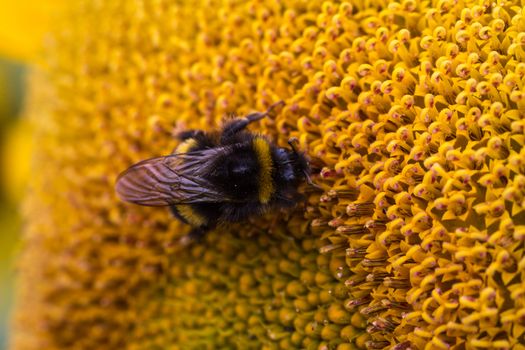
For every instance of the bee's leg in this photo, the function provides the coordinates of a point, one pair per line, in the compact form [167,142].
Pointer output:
[195,235]
[189,134]
[236,125]
[233,127]
[289,201]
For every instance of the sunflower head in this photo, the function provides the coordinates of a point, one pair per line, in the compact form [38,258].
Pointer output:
[414,112]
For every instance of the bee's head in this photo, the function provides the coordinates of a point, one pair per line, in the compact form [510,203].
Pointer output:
[300,164]
[294,164]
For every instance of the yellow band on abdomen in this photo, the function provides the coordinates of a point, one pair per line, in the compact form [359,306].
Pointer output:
[190,215]
[186,146]
[264,157]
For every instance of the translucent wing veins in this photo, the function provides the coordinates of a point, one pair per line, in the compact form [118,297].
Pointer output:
[173,179]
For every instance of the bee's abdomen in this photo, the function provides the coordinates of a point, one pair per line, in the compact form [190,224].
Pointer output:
[187,146]
[189,214]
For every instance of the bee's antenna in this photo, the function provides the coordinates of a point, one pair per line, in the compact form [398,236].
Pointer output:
[309,181]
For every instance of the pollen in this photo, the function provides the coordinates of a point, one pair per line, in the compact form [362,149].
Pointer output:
[412,114]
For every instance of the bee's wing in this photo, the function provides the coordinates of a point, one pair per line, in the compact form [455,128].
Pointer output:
[173,179]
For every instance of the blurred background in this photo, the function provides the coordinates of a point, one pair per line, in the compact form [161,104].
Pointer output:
[24,26]
[12,136]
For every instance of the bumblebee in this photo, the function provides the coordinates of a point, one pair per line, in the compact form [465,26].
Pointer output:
[222,176]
